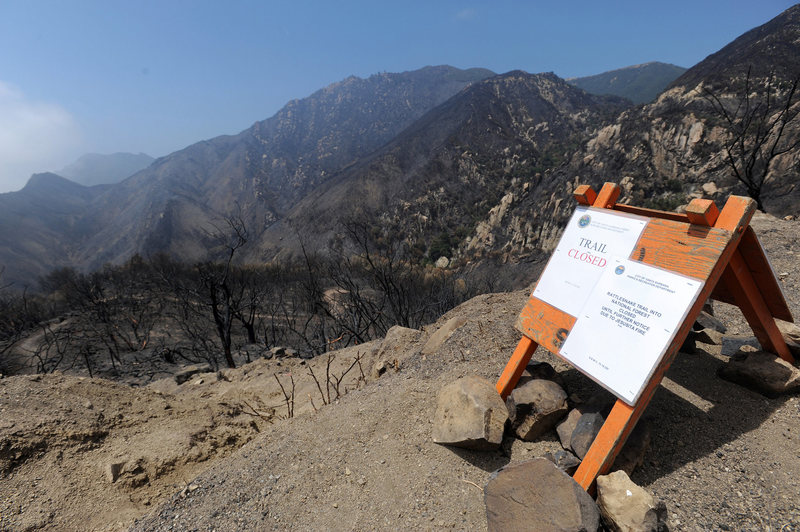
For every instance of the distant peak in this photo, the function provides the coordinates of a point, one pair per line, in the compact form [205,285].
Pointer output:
[49,180]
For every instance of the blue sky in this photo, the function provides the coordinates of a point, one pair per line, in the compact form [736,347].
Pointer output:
[147,76]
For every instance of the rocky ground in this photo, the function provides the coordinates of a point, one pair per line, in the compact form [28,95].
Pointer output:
[88,454]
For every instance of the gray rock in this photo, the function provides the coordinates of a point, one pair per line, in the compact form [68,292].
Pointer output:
[601,401]
[442,334]
[564,460]
[378,369]
[536,495]
[189,371]
[763,372]
[632,454]
[731,345]
[707,336]
[470,414]
[394,347]
[791,334]
[535,407]
[585,432]
[291,353]
[628,508]
[540,370]
[113,471]
[442,262]
[706,321]
[567,427]
[278,351]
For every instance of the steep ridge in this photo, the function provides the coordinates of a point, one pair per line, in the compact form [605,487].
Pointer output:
[99,169]
[444,173]
[638,83]
[41,224]
[261,172]
[264,170]
[768,49]
[665,153]
[483,174]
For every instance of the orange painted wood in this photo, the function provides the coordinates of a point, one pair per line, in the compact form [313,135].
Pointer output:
[702,212]
[687,249]
[730,216]
[585,195]
[515,366]
[545,324]
[652,213]
[763,275]
[612,435]
[615,431]
[740,283]
[721,293]
[608,196]
[706,249]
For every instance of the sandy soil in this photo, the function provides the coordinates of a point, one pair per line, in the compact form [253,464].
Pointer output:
[722,457]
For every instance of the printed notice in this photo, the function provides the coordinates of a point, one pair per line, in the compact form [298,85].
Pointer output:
[627,323]
[592,237]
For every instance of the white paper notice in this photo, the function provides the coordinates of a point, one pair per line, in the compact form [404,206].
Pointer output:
[592,237]
[627,324]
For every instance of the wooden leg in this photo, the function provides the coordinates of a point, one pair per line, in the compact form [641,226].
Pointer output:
[515,367]
[608,443]
[740,284]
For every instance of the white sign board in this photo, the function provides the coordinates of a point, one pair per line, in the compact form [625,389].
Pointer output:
[590,240]
[626,324]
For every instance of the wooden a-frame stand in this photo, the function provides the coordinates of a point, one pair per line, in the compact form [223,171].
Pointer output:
[716,247]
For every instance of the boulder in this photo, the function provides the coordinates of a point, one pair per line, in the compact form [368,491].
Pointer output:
[277,352]
[378,369]
[442,334]
[707,321]
[536,407]
[189,371]
[470,414]
[567,426]
[762,372]
[585,432]
[396,346]
[628,508]
[537,495]
[791,334]
[540,370]
[113,470]
[731,345]
[564,460]
[707,336]
[710,188]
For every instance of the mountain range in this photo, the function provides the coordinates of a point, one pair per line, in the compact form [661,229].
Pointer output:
[638,83]
[484,163]
[100,169]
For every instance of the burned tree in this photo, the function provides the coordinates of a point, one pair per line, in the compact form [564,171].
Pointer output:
[757,119]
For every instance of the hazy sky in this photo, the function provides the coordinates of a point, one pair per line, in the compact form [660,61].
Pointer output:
[105,76]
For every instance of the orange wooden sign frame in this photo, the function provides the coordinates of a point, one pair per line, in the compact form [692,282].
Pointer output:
[713,246]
